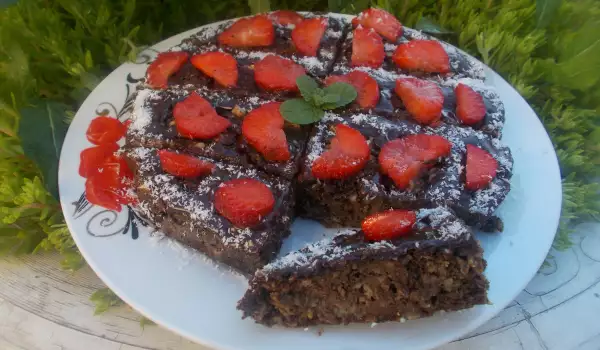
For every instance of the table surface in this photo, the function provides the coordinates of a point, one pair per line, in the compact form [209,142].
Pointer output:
[44,307]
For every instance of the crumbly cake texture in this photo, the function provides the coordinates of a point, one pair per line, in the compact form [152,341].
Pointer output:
[184,210]
[346,279]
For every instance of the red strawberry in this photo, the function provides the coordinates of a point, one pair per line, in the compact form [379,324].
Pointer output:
[183,165]
[403,159]
[285,17]
[365,85]
[249,32]
[481,168]
[220,66]
[424,55]
[307,35]
[165,65]
[423,99]
[346,156]
[382,21]
[367,48]
[103,130]
[389,224]
[244,202]
[274,73]
[91,159]
[470,107]
[263,129]
[195,118]
[109,186]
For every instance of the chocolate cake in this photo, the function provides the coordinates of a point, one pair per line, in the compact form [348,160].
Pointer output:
[439,267]
[414,161]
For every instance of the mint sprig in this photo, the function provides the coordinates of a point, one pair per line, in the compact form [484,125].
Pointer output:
[311,107]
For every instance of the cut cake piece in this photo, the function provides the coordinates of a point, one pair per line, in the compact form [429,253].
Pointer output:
[439,267]
[184,209]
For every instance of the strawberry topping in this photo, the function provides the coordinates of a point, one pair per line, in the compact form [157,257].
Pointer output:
[367,48]
[470,107]
[244,202]
[403,159]
[366,87]
[195,118]
[91,159]
[249,32]
[165,65]
[285,17]
[382,21]
[108,187]
[424,55]
[183,165]
[348,153]
[307,35]
[220,66]
[263,129]
[103,130]
[389,224]
[481,168]
[274,73]
[423,99]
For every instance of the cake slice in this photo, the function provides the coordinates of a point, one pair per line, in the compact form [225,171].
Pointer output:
[437,266]
[233,214]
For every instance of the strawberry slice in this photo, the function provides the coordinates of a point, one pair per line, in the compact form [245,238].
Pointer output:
[481,168]
[165,65]
[424,55]
[274,73]
[403,159]
[91,159]
[470,107]
[183,165]
[423,99]
[220,66]
[286,17]
[103,130]
[382,21]
[346,156]
[389,224]
[367,48]
[366,87]
[109,186]
[249,32]
[244,202]
[307,35]
[263,129]
[195,118]
[98,194]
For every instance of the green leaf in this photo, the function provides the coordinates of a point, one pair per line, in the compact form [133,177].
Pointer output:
[425,24]
[7,3]
[42,131]
[338,95]
[545,10]
[298,111]
[307,86]
[259,6]
[104,299]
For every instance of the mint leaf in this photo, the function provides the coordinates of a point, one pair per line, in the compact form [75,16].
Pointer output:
[299,111]
[545,10]
[104,299]
[337,95]
[307,86]
[42,131]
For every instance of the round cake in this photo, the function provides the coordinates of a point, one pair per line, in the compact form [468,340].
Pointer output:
[365,124]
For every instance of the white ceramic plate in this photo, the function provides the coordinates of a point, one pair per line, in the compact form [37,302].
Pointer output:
[190,295]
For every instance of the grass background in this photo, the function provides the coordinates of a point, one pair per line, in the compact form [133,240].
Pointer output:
[54,52]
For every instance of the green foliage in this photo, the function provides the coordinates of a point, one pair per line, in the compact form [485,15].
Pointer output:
[258,6]
[310,108]
[104,299]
